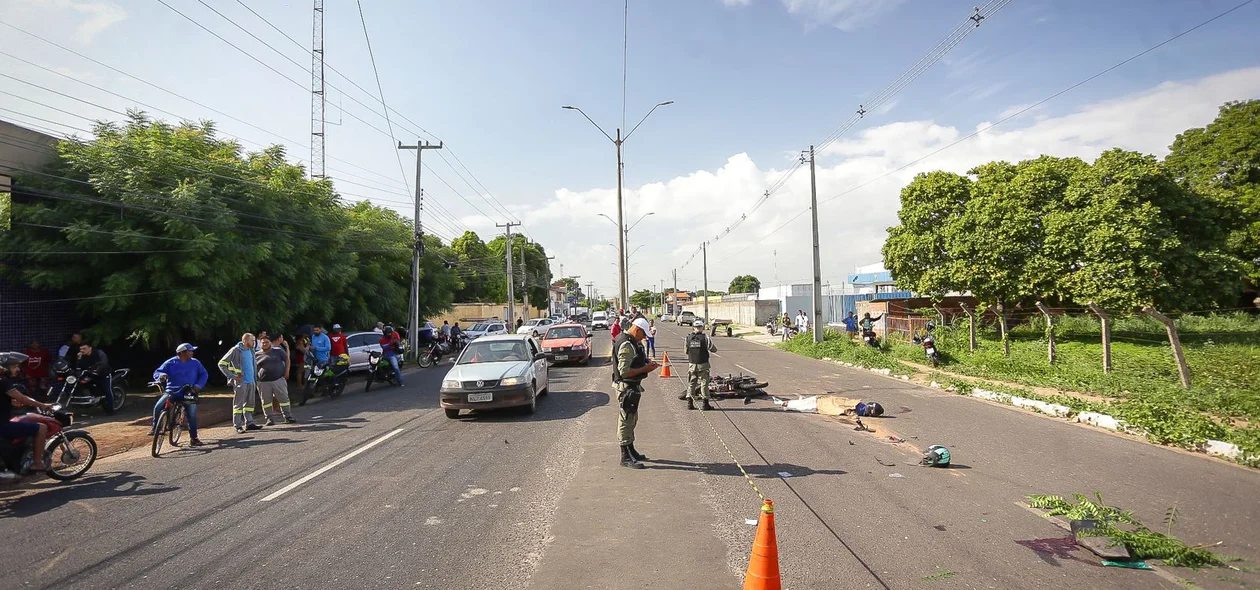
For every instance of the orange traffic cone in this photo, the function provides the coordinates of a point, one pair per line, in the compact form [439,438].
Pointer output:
[763,564]
[665,374]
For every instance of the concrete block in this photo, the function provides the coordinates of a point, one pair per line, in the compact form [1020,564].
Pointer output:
[1222,449]
[990,395]
[1099,420]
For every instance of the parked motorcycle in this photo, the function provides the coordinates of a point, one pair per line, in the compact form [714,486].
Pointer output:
[68,452]
[73,387]
[929,345]
[431,356]
[869,337]
[771,330]
[326,378]
[379,369]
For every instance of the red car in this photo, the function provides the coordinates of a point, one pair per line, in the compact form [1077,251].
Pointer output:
[567,343]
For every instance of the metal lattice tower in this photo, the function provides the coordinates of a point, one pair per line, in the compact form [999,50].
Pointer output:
[317,93]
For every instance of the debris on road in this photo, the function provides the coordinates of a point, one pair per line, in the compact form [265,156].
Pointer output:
[892,438]
[935,456]
[1087,534]
[881,462]
[896,475]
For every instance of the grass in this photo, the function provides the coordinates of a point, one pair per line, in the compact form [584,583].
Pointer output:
[1143,389]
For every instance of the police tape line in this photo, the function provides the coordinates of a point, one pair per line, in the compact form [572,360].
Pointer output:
[747,477]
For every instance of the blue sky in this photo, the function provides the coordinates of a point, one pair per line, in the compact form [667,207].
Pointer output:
[758,77]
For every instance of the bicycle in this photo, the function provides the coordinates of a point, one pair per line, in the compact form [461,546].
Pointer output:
[171,421]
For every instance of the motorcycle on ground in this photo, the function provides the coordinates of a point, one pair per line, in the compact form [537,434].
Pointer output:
[326,378]
[68,452]
[72,387]
[379,369]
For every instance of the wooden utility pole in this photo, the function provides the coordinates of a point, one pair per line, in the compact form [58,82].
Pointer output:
[1106,334]
[1183,370]
[971,324]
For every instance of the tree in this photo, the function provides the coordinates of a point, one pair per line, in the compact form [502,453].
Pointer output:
[574,289]
[1221,162]
[483,272]
[537,275]
[917,251]
[223,241]
[744,284]
[644,298]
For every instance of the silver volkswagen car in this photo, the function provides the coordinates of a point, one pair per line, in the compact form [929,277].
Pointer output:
[493,372]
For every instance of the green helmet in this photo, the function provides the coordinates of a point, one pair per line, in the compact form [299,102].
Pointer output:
[935,456]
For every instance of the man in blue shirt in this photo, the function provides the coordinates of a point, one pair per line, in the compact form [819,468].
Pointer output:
[238,366]
[177,372]
[321,345]
[850,325]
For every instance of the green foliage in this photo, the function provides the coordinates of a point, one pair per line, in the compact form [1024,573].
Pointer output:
[225,241]
[536,278]
[836,345]
[1124,530]
[1222,162]
[644,298]
[744,284]
[574,288]
[1121,232]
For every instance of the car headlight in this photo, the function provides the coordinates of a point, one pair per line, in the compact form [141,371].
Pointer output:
[547,349]
[511,381]
[579,347]
[450,384]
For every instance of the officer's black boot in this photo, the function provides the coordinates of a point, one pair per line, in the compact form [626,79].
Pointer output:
[627,460]
[690,404]
[636,454]
[704,405]
[683,395]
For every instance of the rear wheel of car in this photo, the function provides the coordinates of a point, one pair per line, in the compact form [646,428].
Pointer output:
[451,413]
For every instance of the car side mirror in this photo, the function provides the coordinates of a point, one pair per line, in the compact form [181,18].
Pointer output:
[542,356]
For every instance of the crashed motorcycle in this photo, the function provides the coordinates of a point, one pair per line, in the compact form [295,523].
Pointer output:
[73,387]
[68,452]
[379,369]
[734,386]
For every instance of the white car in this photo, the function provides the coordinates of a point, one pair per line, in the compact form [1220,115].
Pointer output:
[599,320]
[485,329]
[535,327]
[496,372]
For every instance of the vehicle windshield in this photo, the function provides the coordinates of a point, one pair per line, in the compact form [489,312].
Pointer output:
[479,327]
[493,352]
[599,315]
[533,322]
[565,332]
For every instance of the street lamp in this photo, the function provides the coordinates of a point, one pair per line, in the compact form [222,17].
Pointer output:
[621,235]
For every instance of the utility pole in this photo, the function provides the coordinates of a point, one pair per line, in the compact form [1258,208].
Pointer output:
[590,296]
[413,323]
[318,99]
[511,295]
[675,309]
[705,247]
[524,284]
[621,233]
[813,208]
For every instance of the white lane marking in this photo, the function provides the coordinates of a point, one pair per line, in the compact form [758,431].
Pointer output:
[322,470]
[746,369]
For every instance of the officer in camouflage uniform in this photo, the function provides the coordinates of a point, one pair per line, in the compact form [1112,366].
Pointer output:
[630,367]
[698,346]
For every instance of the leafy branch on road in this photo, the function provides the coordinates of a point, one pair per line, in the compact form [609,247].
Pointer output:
[1123,529]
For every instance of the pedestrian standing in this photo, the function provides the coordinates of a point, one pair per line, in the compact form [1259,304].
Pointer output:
[630,367]
[70,350]
[35,368]
[850,325]
[301,343]
[93,361]
[272,363]
[615,330]
[651,340]
[320,346]
[238,366]
[280,342]
[698,346]
[380,328]
[446,330]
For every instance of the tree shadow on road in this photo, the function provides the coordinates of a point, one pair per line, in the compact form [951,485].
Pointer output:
[244,442]
[755,471]
[49,495]
[1056,550]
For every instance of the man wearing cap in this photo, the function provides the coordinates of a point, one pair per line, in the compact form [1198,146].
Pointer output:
[338,341]
[177,372]
[238,366]
[698,346]
[630,367]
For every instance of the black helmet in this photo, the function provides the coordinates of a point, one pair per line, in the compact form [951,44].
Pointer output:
[8,359]
[387,330]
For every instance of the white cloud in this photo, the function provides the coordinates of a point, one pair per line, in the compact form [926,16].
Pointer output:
[733,3]
[695,207]
[95,15]
[846,15]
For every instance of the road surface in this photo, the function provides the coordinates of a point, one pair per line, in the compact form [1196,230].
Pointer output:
[381,490]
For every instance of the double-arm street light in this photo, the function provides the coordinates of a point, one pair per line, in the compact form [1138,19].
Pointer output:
[625,269]
[623,276]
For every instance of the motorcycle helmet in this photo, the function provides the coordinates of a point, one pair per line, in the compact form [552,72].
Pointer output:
[869,409]
[935,456]
[388,330]
[61,366]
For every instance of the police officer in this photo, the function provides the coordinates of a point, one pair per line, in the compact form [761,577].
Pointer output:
[698,346]
[630,367]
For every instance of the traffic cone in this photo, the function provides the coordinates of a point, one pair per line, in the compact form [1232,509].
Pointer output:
[665,374]
[763,564]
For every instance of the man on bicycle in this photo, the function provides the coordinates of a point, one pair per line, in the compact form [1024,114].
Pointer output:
[177,372]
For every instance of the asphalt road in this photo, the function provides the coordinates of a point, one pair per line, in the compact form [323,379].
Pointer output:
[415,500]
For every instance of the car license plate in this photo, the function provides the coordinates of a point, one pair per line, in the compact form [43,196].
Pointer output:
[562,357]
[481,397]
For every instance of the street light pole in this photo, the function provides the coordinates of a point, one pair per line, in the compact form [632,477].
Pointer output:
[622,274]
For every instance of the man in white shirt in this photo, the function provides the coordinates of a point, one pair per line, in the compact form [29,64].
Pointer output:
[802,321]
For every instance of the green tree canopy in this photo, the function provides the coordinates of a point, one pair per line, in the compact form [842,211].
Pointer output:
[644,298]
[744,284]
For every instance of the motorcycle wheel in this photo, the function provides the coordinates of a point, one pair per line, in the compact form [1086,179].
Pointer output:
[159,434]
[425,361]
[120,397]
[307,391]
[70,455]
[336,389]
[393,379]
[936,360]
